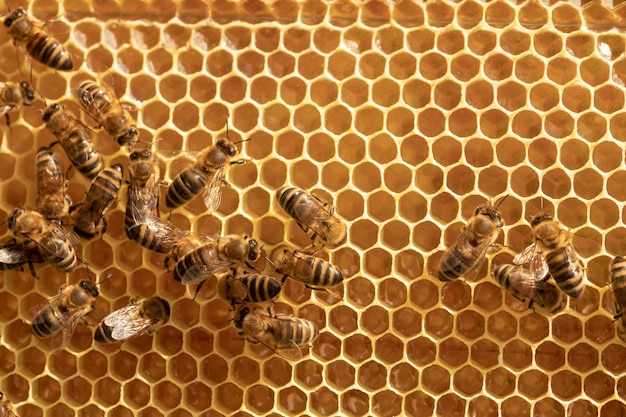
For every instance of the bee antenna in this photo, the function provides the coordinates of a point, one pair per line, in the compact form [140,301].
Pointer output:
[502,200]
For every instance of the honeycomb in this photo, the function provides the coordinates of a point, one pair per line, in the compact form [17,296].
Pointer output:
[406,116]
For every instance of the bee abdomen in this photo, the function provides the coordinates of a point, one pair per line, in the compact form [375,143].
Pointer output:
[49,51]
[454,265]
[150,237]
[325,274]
[185,187]
[103,334]
[82,154]
[566,271]
[60,253]
[45,324]
[261,287]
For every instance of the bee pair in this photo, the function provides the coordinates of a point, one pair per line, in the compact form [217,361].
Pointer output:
[63,312]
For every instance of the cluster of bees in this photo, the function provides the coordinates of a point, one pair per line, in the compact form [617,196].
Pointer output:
[42,234]
[542,275]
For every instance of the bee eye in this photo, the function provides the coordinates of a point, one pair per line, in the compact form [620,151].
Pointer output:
[134,156]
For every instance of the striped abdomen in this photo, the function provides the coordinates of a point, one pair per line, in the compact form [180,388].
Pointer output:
[48,51]
[455,263]
[260,287]
[566,271]
[81,152]
[58,250]
[294,331]
[324,274]
[189,183]
[48,321]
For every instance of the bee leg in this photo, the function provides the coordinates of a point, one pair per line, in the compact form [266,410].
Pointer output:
[198,288]
[283,279]
[104,227]
[6,116]
[617,316]
[32,270]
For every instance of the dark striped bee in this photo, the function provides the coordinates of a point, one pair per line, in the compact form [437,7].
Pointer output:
[206,176]
[137,318]
[217,254]
[468,252]
[13,96]
[104,108]
[276,331]
[63,311]
[249,288]
[155,234]
[553,252]
[143,188]
[38,44]
[313,214]
[519,282]
[617,276]
[315,273]
[55,242]
[52,201]
[6,407]
[14,255]
[88,216]
[75,139]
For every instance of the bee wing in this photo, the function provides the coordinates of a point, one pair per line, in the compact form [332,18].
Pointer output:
[87,102]
[479,252]
[199,273]
[17,254]
[5,109]
[533,255]
[212,193]
[127,322]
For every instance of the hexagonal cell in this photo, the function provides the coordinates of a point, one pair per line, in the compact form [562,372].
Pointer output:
[549,356]
[197,396]
[378,262]
[610,358]
[453,352]
[599,329]
[167,395]
[123,365]
[500,382]
[599,385]
[366,176]
[107,390]
[439,322]
[292,400]
[407,321]
[152,366]
[485,353]
[533,383]
[566,385]
[355,402]
[136,393]
[421,350]
[404,377]
[517,354]
[594,71]
[468,380]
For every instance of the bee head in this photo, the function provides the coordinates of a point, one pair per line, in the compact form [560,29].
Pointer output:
[227,146]
[13,16]
[89,287]
[544,217]
[241,314]
[12,217]
[137,155]
[27,93]
[490,212]
[128,137]
[47,114]
[254,251]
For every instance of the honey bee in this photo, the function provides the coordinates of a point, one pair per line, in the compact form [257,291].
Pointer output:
[52,202]
[206,176]
[617,276]
[14,95]
[14,255]
[143,188]
[468,252]
[137,318]
[250,288]
[519,282]
[88,216]
[155,234]
[75,139]
[55,242]
[315,273]
[313,213]
[6,407]
[276,331]
[38,44]
[104,108]
[217,254]
[63,311]
[552,252]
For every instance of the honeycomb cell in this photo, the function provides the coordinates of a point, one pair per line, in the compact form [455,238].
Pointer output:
[292,400]
[438,322]
[450,42]
[402,66]
[167,395]
[500,382]
[611,358]
[375,320]
[533,383]
[355,402]
[599,385]
[436,379]
[549,356]
[107,390]
[533,327]
[453,352]
[460,180]
[582,407]
[228,397]
[599,329]
[566,385]
[432,66]
[592,126]
[137,393]
[594,71]
[608,99]
[377,262]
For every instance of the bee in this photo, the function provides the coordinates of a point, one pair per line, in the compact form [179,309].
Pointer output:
[250,288]
[217,254]
[103,107]
[155,234]
[63,311]
[75,139]
[14,255]
[552,252]
[52,201]
[468,252]
[276,331]
[315,273]
[519,282]
[617,276]
[38,44]
[88,215]
[55,242]
[143,188]
[137,318]
[313,214]
[14,95]
[6,407]
[206,176]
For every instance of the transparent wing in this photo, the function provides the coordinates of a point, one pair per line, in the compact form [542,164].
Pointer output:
[212,193]
[14,254]
[198,273]
[91,104]
[467,251]
[533,255]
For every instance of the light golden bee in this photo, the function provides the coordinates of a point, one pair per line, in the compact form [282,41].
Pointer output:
[313,214]
[276,331]
[217,254]
[520,283]
[137,318]
[468,252]
[552,252]
[88,216]
[42,47]
[617,277]
[75,138]
[143,188]
[14,96]
[249,288]
[52,201]
[63,311]
[316,273]
[6,407]
[206,176]
[155,234]
[13,255]
[105,109]
[55,242]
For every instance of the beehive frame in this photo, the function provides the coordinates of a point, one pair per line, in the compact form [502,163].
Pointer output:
[406,115]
